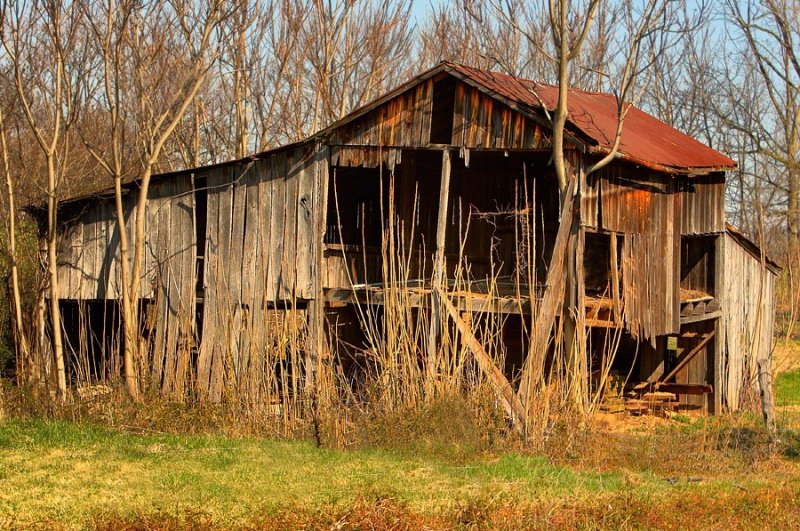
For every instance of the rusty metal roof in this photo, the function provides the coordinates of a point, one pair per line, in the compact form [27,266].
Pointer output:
[646,140]
[592,119]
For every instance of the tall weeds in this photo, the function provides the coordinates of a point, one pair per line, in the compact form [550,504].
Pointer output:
[259,368]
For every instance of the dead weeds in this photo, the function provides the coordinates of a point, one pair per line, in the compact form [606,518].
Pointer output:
[738,508]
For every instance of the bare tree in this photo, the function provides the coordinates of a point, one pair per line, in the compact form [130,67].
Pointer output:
[144,93]
[359,46]
[20,337]
[40,40]
[772,36]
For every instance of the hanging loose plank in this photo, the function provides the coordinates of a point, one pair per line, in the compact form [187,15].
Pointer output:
[511,403]
[553,292]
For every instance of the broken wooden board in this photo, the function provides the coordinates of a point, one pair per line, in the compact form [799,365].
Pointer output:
[684,360]
[511,403]
[659,396]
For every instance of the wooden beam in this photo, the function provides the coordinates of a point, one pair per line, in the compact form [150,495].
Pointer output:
[719,324]
[685,389]
[438,267]
[511,402]
[688,357]
[702,317]
[553,292]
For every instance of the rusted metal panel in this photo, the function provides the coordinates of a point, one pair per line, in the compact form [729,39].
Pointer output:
[645,139]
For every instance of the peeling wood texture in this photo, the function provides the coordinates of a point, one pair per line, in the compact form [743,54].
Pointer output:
[748,297]
[480,121]
[402,121]
[645,208]
[260,238]
[702,202]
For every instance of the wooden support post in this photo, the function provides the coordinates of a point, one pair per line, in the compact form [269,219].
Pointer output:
[719,325]
[575,315]
[318,363]
[615,279]
[438,272]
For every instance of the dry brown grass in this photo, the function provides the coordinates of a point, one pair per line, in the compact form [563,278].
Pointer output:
[734,509]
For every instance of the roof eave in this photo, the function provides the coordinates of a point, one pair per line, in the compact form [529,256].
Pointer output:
[689,171]
[753,248]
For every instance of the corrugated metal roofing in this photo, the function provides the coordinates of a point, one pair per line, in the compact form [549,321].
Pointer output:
[645,139]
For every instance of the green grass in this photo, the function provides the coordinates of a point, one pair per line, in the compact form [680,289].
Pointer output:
[64,471]
[72,474]
[787,388]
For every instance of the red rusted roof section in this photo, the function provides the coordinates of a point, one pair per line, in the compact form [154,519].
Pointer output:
[645,139]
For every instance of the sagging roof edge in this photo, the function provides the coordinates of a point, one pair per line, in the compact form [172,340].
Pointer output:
[751,247]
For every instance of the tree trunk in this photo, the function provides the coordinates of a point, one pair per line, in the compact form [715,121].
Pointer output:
[132,348]
[20,338]
[130,318]
[52,267]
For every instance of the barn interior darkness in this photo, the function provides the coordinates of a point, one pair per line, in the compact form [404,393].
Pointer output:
[486,203]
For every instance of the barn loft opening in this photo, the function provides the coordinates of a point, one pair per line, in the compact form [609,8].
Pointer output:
[444,92]
[354,207]
[697,263]
[597,263]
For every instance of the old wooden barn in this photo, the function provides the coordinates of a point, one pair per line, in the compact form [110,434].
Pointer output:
[440,196]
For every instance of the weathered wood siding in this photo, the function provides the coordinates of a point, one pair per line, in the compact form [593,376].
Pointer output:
[480,121]
[261,253]
[703,204]
[170,260]
[262,246]
[644,207]
[403,121]
[89,243]
[476,120]
[748,304]
[89,252]
[90,267]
